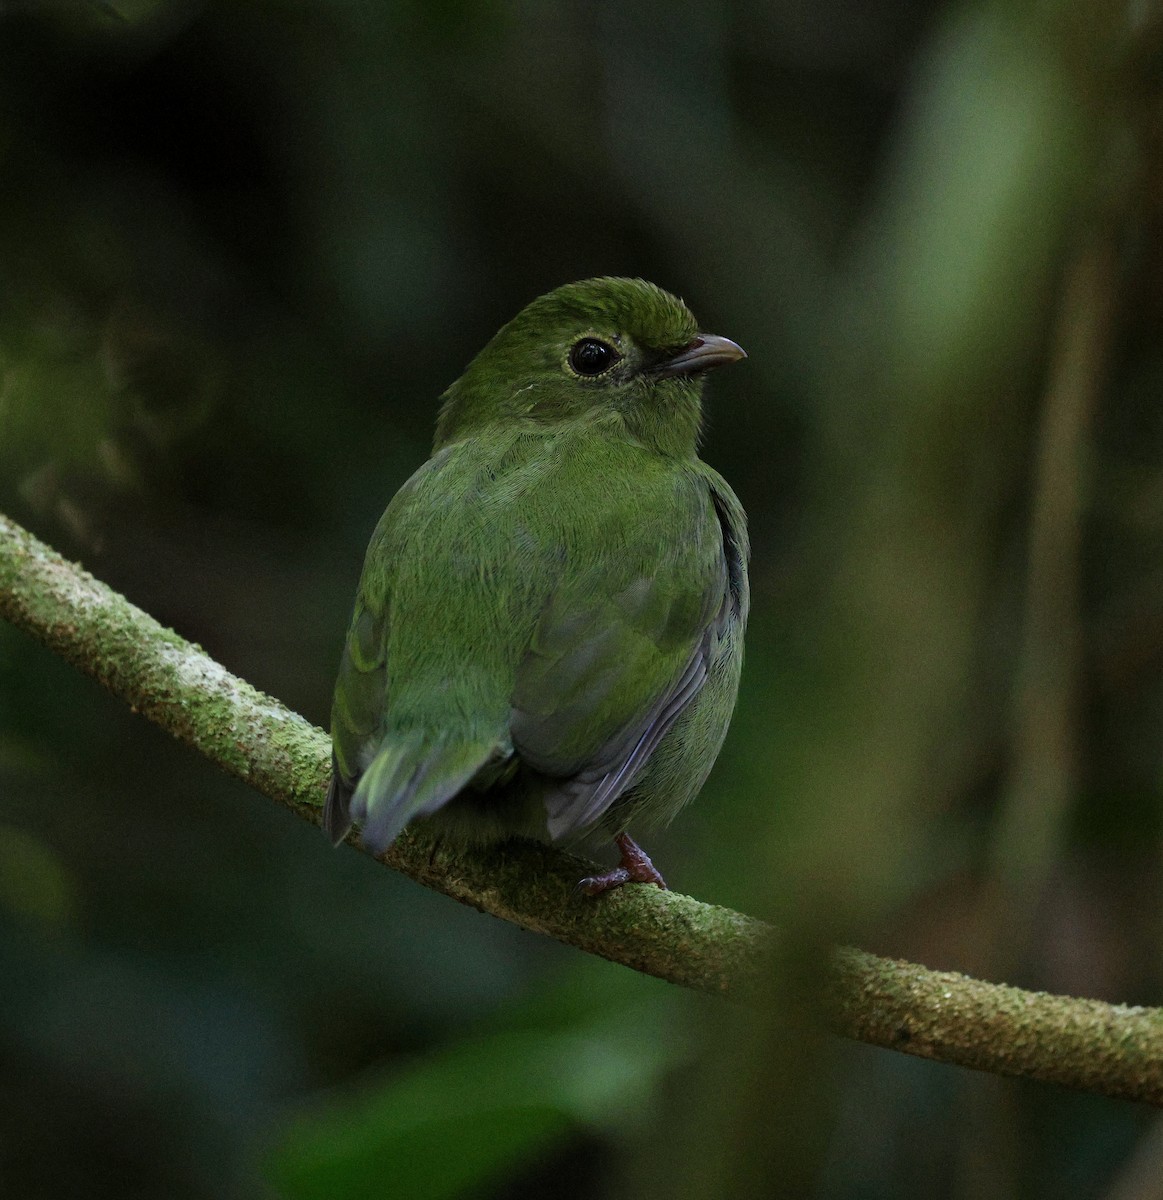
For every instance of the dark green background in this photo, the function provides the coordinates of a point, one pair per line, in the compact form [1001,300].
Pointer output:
[243,248]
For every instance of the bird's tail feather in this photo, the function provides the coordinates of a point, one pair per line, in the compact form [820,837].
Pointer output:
[413,775]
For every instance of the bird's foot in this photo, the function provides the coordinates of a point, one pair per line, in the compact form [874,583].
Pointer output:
[635,867]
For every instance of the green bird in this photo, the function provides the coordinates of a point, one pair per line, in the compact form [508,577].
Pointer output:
[548,632]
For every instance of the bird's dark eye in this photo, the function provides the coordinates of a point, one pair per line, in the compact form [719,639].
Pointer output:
[591,357]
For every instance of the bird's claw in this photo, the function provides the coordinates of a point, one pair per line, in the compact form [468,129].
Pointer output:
[635,867]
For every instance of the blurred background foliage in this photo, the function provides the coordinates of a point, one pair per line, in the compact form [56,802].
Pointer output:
[244,246]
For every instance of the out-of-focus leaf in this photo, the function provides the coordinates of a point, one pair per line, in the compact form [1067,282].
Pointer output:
[467,1116]
[34,884]
[19,754]
[985,179]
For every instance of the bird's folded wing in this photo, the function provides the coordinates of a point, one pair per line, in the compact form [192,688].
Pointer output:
[609,670]
[357,711]
[385,777]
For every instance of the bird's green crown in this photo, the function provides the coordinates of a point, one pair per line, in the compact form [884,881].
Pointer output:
[597,346]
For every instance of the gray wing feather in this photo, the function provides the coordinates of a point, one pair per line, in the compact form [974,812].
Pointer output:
[579,803]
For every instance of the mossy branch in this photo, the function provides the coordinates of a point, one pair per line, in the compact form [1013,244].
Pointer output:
[1110,1049]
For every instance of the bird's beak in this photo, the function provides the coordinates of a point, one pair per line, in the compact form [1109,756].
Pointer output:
[706,351]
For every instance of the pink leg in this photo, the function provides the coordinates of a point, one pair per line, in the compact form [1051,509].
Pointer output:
[635,867]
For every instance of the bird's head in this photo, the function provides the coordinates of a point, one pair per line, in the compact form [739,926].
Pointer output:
[600,346]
